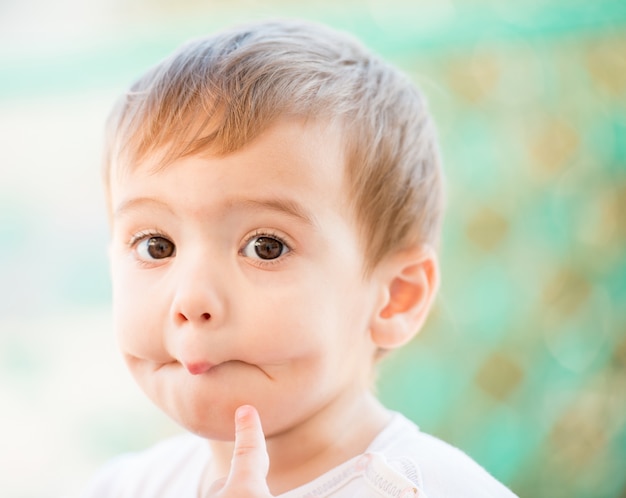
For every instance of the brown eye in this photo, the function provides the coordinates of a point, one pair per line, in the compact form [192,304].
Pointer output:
[264,248]
[155,248]
[268,248]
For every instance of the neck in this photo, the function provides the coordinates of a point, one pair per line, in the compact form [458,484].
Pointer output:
[341,430]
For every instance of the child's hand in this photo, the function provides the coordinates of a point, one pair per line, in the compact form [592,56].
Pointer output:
[250,463]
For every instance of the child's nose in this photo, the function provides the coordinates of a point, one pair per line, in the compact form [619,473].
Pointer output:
[196,299]
[196,307]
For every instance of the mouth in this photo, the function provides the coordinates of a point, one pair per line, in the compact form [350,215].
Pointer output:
[197,368]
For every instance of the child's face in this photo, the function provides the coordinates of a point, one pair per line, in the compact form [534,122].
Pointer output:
[239,279]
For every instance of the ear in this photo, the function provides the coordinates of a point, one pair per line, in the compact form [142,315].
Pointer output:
[409,282]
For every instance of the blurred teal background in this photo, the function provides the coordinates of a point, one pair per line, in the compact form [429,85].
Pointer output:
[523,362]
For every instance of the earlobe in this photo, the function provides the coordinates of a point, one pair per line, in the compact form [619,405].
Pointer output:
[410,280]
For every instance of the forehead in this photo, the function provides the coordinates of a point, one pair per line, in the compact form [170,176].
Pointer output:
[294,158]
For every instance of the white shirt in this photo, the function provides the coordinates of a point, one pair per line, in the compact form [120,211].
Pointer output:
[401,462]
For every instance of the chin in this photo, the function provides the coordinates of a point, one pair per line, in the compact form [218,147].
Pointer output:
[213,428]
[206,417]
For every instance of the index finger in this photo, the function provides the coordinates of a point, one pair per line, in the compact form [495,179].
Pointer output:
[250,461]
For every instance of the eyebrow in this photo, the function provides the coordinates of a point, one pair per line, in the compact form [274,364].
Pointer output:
[285,206]
[137,202]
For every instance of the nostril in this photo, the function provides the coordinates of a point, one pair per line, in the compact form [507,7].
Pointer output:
[184,317]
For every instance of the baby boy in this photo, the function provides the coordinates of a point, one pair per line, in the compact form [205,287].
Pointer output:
[275,199]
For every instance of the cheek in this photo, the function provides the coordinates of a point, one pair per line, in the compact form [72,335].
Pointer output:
[319,319]
[277,332]
[137,315]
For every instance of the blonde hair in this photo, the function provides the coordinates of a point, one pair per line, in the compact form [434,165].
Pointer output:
[218,93]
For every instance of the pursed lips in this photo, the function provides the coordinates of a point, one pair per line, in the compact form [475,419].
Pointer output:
[198,368]
[203,367]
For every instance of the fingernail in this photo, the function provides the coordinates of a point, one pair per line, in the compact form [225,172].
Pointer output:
[243,411]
